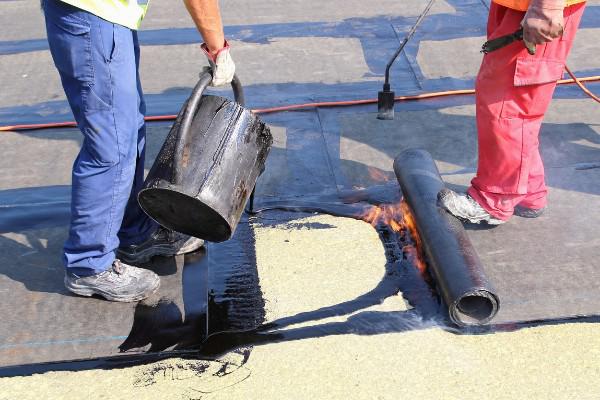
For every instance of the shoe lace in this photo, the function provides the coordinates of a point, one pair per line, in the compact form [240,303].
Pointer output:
[117,267]
[162,232]
[115,273]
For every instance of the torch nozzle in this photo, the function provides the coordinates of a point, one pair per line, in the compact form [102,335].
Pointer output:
[385,103]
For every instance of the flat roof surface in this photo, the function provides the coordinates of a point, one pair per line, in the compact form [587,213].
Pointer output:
[315,285]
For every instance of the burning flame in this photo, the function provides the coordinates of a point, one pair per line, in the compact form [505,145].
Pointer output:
[399,218]
[377,175]
[387,214]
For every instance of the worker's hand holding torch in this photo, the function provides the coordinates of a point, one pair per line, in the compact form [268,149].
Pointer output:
[543,22]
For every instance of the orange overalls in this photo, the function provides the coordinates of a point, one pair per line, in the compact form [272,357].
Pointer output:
[513,91]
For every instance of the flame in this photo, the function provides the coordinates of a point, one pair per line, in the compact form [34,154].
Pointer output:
[378,175]
[387,214]
[399,218]
[409,222]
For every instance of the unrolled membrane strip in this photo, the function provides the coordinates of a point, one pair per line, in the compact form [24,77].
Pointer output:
[452,260]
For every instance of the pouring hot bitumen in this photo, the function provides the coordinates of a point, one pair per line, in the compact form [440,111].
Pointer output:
[208,165]
[95,49]
[73,319]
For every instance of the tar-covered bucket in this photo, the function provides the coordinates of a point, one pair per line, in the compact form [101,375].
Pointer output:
[208,165]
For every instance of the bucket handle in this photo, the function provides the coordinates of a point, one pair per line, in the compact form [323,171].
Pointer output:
[192,104]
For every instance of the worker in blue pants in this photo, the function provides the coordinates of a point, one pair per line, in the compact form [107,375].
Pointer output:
[95,49]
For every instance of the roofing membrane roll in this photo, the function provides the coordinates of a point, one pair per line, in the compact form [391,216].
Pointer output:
[451,258]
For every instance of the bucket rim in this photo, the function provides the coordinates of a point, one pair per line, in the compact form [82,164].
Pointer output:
[199,220]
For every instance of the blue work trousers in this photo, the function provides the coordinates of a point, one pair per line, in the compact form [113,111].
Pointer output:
[98,66]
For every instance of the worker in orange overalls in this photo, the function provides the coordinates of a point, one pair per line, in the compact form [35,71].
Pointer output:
[513,91]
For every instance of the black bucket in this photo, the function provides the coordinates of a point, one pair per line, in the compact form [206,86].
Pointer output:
[208,165]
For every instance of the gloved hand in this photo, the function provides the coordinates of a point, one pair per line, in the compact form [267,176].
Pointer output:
[543,22]
[221,65]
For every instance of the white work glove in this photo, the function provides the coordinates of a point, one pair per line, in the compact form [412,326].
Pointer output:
[221,65]
[543,22]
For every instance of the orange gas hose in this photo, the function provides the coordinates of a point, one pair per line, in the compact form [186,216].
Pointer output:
[292,107]
[581,85]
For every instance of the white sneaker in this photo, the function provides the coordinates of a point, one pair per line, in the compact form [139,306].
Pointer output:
[121,282]
[464,207]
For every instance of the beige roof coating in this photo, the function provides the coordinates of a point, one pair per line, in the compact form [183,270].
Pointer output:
[343,259]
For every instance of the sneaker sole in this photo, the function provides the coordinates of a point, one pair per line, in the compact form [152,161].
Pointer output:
[490,222]
[158,250]
[529,213]
[146,255]
[191,247]
[88,292]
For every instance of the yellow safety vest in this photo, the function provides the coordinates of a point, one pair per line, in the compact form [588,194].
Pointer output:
[128,13]
[522,5]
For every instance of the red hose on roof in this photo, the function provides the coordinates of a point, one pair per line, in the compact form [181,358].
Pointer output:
[293,107]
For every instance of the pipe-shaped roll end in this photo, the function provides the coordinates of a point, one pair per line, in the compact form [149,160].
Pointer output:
[477,307]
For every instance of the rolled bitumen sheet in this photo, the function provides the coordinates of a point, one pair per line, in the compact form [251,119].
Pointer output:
[452,260]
